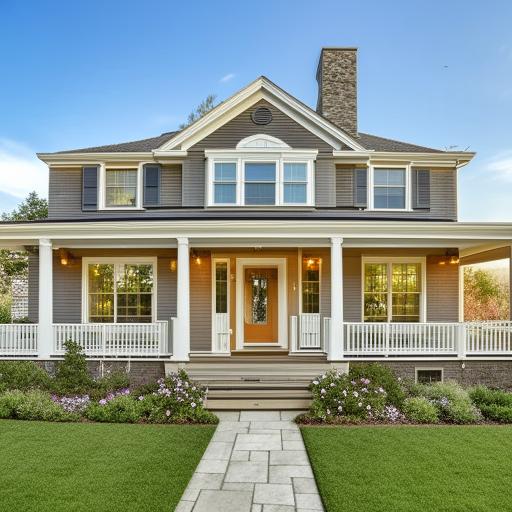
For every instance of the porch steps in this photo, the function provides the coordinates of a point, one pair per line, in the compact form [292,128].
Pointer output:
[257,382]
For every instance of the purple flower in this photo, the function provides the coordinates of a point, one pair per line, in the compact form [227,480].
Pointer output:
[102,402]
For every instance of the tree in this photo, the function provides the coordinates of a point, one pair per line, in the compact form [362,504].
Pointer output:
[486,295]
[14,263]
[203,108]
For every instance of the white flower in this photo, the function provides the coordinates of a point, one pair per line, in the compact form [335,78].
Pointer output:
[315,382]
[322,391]
[356,394]
[360,404]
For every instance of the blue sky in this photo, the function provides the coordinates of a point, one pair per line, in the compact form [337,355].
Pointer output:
[76,74]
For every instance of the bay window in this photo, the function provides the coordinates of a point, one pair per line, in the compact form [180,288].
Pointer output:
[119,292]
[393,290]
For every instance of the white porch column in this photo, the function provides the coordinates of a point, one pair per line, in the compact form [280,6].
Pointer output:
[181,341]
[45,340]
[335,352]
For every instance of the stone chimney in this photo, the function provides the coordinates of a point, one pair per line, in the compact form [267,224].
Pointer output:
[337,87]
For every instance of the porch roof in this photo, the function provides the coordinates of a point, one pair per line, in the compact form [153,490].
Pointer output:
[264,233]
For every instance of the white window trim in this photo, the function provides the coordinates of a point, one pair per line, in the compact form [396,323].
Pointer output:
[102,189]
[408,194]
[260,155]
[143,260]
[422,260]
[301,255]
[429,368]
[214,297]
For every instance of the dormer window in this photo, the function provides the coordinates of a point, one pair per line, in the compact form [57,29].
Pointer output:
[262,171]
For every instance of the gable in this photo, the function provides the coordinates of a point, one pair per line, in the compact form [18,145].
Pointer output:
[281,127]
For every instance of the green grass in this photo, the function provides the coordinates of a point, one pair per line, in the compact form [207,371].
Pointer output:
[412,469]
[96,467]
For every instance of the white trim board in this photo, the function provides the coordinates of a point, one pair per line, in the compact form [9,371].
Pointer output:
[282,297]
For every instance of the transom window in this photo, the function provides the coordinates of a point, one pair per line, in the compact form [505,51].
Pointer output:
[392,291]
[119,292]
[121,187]
[310,284]
[389,188]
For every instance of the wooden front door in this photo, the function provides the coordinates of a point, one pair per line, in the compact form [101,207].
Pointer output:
[260,305]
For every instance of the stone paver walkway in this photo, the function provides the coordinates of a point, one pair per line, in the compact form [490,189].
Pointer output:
[255,462]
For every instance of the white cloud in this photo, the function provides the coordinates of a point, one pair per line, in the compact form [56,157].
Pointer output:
[21,171]
[500,167]
[228,77]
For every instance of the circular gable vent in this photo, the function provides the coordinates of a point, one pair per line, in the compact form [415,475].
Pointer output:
[261,115]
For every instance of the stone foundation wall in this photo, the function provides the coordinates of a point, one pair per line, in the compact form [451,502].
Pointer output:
[491,373]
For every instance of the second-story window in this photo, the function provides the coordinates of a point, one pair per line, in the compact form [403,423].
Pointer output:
[121,187]
[295,187]
[260,183]
[224,183]
[389,188]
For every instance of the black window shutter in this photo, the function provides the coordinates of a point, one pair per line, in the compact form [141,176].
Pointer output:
[360,188]
[90,188]
[422,189]
[151,185]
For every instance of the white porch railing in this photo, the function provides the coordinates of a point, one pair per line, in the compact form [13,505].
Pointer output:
[221,332]
[18,339]
[305,332]
[492,337]
[384,339]
[114,340]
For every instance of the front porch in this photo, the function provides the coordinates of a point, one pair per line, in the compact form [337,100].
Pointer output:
[383,291]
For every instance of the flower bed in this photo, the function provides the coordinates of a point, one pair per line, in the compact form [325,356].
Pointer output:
[372,394]
[28,392]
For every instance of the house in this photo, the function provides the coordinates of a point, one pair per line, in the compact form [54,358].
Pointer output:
[262,244]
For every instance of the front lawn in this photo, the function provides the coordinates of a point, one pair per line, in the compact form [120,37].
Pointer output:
[100,467]
[412,468]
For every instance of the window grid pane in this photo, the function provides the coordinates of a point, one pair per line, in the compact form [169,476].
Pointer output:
[389,188]
[121,293]
[221,287]
[310,285]
[121,187]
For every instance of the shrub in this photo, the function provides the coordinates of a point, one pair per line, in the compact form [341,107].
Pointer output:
[32,405]
[72,375]
[420,410]
[383,377]
[336,395]
[111,382]
[5,309]
[177,400]
[494,404]
[119,409]
[23,375]
[451,400]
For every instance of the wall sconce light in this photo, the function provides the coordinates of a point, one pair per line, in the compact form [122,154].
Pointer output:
[196,258]
[65,257]
[172,265]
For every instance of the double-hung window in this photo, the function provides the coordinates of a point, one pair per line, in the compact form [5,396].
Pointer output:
[121,187]
[224,183]
[260,183]
[295,183]
[392,291]
[119,292]
[389,188]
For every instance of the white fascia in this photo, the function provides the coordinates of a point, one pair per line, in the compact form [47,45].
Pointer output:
[261,88]
[80,159]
